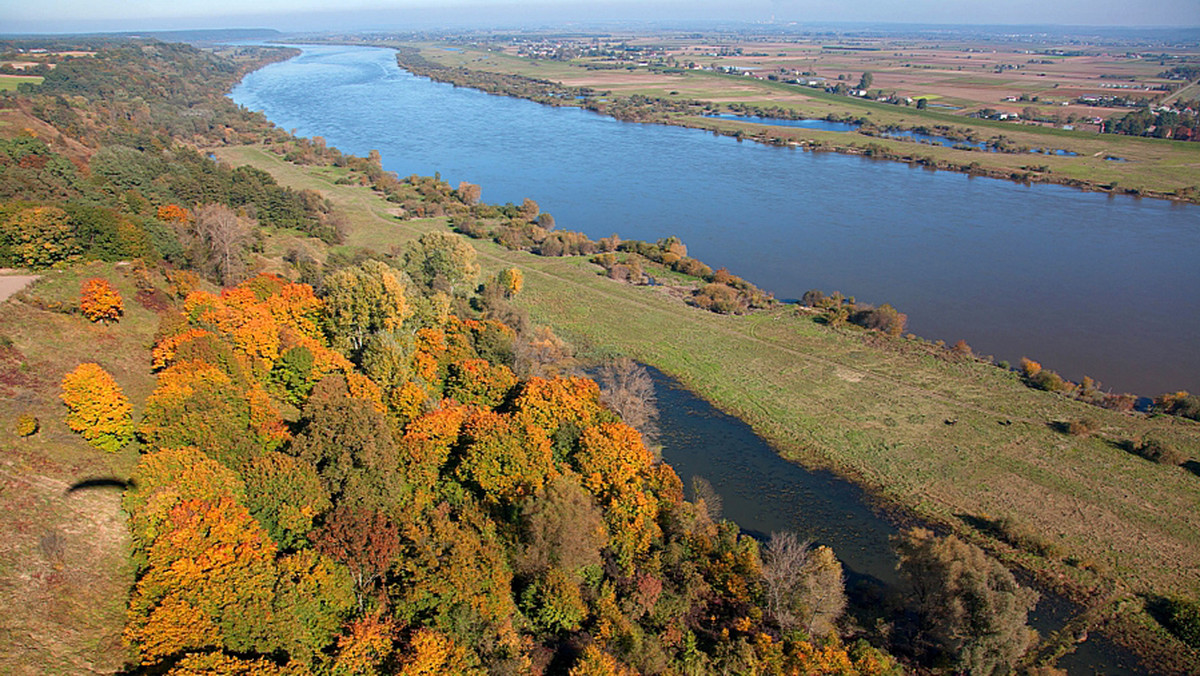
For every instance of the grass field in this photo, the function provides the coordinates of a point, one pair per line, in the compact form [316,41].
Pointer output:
[10,82]
[948,440]
[64,569]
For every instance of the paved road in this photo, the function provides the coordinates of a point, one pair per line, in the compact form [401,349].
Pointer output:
[10,284]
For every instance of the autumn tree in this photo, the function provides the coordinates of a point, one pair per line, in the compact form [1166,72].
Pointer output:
[38,237]
[442,261]
[366,647]
[971,608]
[475,381]
[553,602]
[362,300]
[365,541]
[804,585]
[209,582]
[97,408]
[285,495]
[453,575]
[503,458]
[432,653]
[100,301]
[197,404]
[166,477]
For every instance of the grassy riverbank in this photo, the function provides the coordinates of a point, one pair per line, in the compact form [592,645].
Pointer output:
[960,442]
[1147,166]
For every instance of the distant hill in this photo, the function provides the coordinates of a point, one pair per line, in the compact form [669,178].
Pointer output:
[204,36]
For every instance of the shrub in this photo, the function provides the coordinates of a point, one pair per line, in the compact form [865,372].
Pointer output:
[1050,381]
[718,298]
[1183,620]
[27,425]
[1179,403]
[1160,450]
[100,301]
[1081,427]
[98,409]
[884,318]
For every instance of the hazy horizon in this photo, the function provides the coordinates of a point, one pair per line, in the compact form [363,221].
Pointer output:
[78,16]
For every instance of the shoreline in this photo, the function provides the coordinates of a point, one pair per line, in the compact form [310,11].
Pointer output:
[874,146]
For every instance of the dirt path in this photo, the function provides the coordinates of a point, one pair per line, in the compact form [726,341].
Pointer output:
[10,284]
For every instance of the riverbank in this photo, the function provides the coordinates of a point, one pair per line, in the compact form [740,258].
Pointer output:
[1154,168]
[957,442]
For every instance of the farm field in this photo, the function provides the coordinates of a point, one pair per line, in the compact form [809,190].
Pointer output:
[962,83]
[954,441]
[10,82]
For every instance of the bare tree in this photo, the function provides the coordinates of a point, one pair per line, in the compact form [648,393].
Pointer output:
[220,239]
[704,494]
[626,387]
[804,584]
[539,352]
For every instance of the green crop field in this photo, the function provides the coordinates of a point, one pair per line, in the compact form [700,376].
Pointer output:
[10,82]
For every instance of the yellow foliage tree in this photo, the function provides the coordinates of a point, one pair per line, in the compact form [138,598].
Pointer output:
[98,409]
[432,653]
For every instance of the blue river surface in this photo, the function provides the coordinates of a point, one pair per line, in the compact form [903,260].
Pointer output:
[1085,283]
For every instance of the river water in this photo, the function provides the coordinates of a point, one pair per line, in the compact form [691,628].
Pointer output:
[1083,282]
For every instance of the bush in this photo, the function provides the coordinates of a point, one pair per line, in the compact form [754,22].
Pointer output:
[1183,620]
[1050,381]
[1181,404]
[719,298]
[1082,427]
[884,318]
[27,425]
[1160,450]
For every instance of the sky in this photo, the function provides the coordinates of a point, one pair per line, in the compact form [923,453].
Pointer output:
[54,16]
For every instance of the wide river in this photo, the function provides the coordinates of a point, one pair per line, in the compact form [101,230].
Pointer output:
[1083,282]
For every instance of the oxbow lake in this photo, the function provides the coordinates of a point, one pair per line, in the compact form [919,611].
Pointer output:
[1086,283]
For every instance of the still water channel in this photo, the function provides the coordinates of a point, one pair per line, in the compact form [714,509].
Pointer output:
[1083,282]
[763,493]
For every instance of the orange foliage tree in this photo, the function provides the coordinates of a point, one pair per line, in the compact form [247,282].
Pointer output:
[209,581]
[100,301]
[97,408]
[173,213]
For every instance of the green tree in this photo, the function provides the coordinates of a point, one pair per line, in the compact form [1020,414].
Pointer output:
[442,261]
[350,443]
[362,300]
[866,80]
[285,495]
[971,608]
